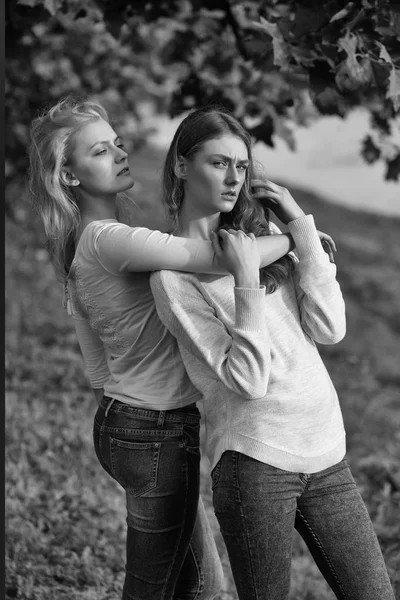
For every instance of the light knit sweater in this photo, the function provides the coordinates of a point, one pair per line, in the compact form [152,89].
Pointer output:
[253,357]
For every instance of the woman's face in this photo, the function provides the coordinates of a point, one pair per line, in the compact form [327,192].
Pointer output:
[214,176]
[98,161]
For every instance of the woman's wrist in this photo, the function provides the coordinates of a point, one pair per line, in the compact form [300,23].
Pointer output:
[247,280]
[297,218]
[273,247]
[292,244]
[295,214]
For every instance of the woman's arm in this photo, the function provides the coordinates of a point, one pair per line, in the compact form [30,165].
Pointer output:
[98,394]
[236,354]
[122,248]
[319,297]
[273,247]
[130,213]
[283,205]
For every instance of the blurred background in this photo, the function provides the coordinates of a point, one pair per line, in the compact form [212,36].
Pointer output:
[320,92]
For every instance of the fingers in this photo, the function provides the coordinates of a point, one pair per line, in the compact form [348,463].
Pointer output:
[272,196]
[225,234]
[218,238]
[265,183]
[240,232]
[328,249]
[216,244]
[266,190]
[235,232]
[328,244]
[331,242]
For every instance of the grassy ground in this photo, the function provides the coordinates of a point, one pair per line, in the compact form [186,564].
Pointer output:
[65,518]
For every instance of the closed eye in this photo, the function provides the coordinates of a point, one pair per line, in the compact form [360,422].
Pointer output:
[104,150]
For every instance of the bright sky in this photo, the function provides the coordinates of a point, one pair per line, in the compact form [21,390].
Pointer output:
[327,161]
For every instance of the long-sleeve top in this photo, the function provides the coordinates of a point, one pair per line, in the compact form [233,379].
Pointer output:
[253,357]
[126,348]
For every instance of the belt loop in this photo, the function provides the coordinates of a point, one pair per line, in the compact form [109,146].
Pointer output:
[109,406]
[161,418]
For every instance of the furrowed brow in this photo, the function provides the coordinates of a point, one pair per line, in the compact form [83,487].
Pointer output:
[243,161]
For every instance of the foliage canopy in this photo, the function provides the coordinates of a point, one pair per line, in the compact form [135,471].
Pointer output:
[272,62]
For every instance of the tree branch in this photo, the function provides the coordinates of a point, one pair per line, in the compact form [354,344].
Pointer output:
[235,28]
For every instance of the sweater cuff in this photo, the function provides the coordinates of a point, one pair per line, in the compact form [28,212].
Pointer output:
[306,237]
[249,307]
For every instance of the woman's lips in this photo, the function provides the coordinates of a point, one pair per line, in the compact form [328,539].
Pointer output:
[124,171]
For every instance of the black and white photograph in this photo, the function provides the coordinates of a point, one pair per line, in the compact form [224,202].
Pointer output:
[202,315]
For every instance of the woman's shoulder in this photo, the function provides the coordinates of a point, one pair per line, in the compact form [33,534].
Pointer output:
[108,231]
[113,230]
[94,227]
[91,230]
[86,246]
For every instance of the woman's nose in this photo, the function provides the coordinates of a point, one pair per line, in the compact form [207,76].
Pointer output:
[232,176]
[120,154]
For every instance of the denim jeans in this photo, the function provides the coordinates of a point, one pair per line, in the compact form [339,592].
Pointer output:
[155,457]
[258,506]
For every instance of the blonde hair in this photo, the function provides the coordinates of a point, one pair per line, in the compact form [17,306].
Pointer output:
[49,151]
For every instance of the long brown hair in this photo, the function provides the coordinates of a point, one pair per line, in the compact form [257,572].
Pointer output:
[248,214]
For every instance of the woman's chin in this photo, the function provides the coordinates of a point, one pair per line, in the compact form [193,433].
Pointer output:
[227,207]
[128,184]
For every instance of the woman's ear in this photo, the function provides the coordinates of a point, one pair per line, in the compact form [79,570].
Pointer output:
[69,178]
[180,167]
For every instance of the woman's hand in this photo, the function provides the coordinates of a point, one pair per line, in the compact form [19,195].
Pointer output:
[98,394]
[238,253]
[278,199]
[284,206]
[328,244]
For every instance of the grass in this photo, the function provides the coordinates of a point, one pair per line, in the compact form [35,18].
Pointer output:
[65,518]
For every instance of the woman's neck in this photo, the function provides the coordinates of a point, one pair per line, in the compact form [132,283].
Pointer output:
[195,225]
[95,209]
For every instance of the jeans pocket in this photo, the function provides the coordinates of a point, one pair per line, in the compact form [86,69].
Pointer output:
[135,465]
[191,438]
[215,473]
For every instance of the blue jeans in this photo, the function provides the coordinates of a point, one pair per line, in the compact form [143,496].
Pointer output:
[155,457]
[258,506]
